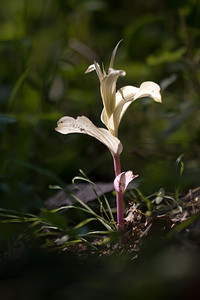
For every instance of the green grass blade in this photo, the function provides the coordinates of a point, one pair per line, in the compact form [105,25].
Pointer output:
[84,222]
[17,86]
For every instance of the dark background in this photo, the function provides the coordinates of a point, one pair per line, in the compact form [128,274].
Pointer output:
[45,48]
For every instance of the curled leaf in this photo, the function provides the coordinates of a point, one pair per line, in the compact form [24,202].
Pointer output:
[122,181]
[83,125]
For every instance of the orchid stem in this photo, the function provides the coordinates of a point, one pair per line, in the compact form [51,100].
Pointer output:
[119,196]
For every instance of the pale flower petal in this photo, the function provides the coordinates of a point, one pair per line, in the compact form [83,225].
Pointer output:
[149,89]
[124,98]
[113,55]
[126,93]
[108,90]
[83,125]
[122,180]
[97,68]
[116,104]
[90,68]
[104,118]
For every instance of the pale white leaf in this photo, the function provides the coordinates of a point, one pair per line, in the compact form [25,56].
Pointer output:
[83,125]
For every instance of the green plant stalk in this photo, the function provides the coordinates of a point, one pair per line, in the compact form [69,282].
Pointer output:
[119,196]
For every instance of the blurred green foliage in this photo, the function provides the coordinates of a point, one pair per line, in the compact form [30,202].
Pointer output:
[45,47]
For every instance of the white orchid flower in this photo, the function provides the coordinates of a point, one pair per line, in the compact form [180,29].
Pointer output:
[115,103]
[83,125]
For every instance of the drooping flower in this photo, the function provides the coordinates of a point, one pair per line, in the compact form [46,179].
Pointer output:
[115,103]
[83,125]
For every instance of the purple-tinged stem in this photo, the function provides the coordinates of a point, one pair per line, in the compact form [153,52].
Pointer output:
[119,196]
[117,165]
